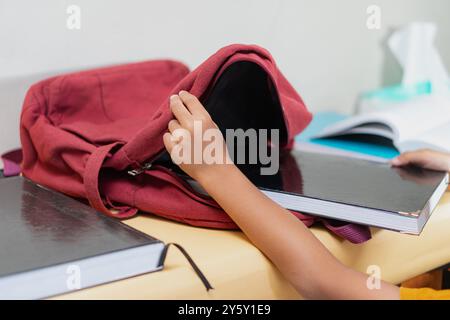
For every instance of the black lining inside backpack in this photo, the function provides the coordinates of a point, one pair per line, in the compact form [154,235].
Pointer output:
[244,97]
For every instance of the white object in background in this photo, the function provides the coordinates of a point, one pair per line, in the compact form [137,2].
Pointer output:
[424,73]
[413,47]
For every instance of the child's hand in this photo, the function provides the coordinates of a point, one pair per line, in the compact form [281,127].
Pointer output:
[427,159]
[191,122]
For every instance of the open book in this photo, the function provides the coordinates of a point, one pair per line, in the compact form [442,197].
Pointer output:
[424,123]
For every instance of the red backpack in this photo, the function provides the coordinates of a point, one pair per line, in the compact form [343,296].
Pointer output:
[96,134]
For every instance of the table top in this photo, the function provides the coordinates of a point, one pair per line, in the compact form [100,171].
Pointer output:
[238,270]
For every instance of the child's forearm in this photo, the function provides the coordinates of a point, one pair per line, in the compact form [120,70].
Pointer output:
[309,266]
[286,241]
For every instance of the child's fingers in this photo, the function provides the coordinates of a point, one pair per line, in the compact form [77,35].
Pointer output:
[168,142]
[180,111]
[414,157]
[192,103]
[397,161]
[401,160]
[174,125]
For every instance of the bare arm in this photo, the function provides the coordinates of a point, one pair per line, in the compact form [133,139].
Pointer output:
[285,240]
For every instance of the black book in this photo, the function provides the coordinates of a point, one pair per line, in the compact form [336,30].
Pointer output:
[353,190]
[52,244]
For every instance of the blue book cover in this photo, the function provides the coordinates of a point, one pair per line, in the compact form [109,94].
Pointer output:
[322,120]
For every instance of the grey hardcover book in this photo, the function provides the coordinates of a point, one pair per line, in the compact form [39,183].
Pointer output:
[353,190]
[52,244]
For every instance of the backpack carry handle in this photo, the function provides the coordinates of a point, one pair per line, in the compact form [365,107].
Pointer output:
[91,178]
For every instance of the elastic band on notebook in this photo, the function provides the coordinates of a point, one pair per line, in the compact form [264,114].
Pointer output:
[191,262]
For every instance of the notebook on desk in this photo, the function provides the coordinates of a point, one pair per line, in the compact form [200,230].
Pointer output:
[353,190]
[52,244]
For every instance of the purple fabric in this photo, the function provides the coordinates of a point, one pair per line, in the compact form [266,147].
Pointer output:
[354,233]
[11,162]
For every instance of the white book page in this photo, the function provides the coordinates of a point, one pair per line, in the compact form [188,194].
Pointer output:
[406,121]
[413,119]
[436,139]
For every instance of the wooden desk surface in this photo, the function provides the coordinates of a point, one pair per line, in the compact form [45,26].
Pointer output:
[237,270]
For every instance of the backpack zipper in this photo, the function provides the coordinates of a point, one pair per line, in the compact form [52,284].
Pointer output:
[138,171]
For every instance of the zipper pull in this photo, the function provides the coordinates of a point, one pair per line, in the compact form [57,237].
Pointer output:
[138,171]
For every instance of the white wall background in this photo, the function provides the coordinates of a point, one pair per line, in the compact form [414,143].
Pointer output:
[323,46]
